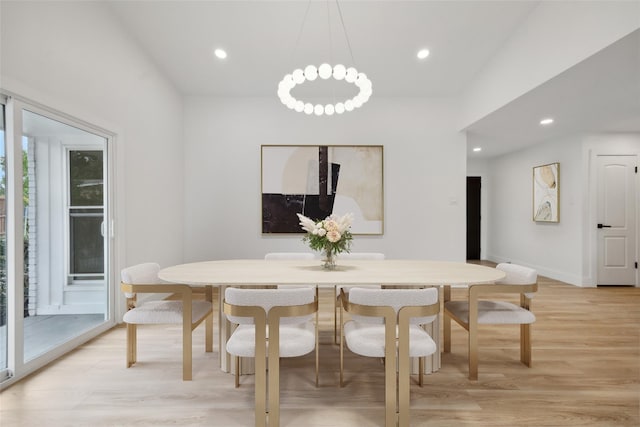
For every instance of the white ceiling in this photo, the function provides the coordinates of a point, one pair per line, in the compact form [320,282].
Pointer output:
[600,94]
[267,39]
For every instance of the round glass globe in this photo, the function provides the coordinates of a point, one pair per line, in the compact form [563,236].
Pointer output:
[339,108]
[339,71]
[285,99]
[348,105]
[299,107]
[308,108]
[351,75]
[311,72]
[324,71]
[298,76]
[329,109]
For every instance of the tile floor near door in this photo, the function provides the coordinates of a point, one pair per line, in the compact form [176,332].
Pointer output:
[42,333]
[585,372]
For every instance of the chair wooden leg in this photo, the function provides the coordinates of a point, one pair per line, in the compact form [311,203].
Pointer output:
[237,371]
[446,321]
[341,351]
[208,331]
[473,333]
[208,325]
[525,344]
[446,330]
[404,388]
[473,349]
[317,346]
[336,326]
[132,339]
[187,350]
[390,393]
[273,382]
[421,369]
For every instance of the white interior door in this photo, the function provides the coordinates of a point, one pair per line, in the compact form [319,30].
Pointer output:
[616,217]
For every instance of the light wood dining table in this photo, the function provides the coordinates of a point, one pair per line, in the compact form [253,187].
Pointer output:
[388,272]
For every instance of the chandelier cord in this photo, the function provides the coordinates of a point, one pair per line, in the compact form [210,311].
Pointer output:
[346,36]
[333,88]
[329,30]
[304,20]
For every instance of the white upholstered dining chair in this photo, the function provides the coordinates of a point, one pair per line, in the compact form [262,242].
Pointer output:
[143,278]
[289,255]
[386,323]
[336,302]
[275,323]
[475,311]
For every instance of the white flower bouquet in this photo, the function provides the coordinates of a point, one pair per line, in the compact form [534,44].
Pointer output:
[331,235]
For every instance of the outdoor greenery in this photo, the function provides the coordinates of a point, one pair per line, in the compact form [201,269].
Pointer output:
[3,279]
[3,242]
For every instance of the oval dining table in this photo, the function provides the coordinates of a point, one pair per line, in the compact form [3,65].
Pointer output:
[388,273]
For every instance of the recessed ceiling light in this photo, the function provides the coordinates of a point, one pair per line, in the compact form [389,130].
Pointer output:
[220,53]
[547,121]
[476,149]
[422,53]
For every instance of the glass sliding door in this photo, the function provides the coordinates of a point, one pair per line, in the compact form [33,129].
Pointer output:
[4,373]
[57,289]
[66,289]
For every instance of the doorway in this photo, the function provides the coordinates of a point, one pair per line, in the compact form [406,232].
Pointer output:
[474,186]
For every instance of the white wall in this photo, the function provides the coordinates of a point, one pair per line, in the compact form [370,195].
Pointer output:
[554,249]
[76,58]
[554,37]
[567,250]
[424,174]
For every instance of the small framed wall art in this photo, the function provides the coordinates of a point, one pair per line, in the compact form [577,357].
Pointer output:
[546,193]
[320,180]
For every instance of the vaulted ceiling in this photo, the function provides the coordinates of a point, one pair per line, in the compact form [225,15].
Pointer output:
[267,39]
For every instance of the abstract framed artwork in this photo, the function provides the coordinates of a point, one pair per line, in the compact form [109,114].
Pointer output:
[319,180]
[546,192]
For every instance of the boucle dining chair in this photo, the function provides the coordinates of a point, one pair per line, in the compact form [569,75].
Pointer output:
[143,278]
[336,301]
[289,255]
[385,323]
[275,323]
[474,312]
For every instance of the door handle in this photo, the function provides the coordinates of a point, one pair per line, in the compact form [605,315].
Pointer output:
[603,226]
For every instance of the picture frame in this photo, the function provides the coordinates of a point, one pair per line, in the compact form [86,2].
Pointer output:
[546,193]
[320,180]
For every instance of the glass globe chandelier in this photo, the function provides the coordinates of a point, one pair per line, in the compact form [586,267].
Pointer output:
[325,71]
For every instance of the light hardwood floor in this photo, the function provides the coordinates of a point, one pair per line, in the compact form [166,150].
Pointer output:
[585,372]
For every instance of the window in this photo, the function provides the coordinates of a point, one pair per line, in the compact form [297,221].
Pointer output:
[86,215]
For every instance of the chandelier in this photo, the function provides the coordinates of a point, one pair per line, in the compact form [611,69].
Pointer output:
[325,71]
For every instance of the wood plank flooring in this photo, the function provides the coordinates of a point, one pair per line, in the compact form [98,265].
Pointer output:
[585,372]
